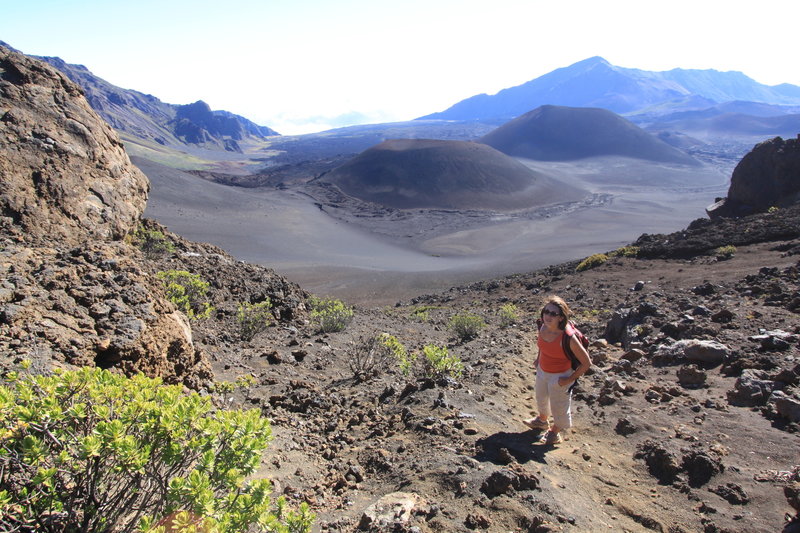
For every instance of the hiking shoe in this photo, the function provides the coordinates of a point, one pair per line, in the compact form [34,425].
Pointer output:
[551,438]
[536,423]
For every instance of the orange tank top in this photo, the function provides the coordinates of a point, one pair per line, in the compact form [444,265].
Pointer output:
[552,358]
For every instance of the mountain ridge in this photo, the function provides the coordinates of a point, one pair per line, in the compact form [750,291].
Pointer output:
[594,82]
[147,118]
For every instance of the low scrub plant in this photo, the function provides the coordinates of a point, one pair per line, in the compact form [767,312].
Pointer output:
[466,326]
[330,314]
[152,243]
[88,450]
[440,363]
[404,359]
[592,261]
[627,251]
[367,357]
[188,292]
[725,252]
[252,319]
[509,315]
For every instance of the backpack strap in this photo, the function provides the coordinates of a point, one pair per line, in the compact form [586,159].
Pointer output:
[569,333]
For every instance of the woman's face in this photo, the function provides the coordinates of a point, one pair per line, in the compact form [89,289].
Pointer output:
[551,314]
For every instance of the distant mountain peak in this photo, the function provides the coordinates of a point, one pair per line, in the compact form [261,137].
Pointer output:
[594,82]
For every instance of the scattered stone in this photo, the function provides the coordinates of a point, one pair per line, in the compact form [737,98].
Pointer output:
[660,462]
[701,467]
[732,493]
[751,389]
[390,510]
[506,480]
[690,376]
[625,427]
[786,406]
[477,521]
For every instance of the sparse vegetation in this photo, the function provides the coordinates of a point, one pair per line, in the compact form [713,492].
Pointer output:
[396,348]
[331,315]
[252,319]
[725,252]
[509,315]
[592,261]
[90,450]
[627,251]
[440,363]
[368,356]
[466,326]
[152,243]
[188,292]
[422,312]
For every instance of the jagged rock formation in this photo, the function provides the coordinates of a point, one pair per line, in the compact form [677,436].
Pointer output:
[768,176]
[71,291]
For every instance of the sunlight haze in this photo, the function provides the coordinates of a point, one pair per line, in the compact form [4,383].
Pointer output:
[310,65]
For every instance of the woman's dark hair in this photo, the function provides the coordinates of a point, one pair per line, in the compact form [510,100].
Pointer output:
[559,302]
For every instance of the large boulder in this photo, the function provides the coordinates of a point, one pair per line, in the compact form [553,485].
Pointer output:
[64,172]
[768,176]
[73,292]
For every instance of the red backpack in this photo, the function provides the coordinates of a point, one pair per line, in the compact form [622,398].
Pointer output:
[570,331]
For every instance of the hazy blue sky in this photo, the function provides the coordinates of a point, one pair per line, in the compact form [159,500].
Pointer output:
[308,65]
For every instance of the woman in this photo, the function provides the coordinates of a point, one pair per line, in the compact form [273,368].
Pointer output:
[554,373]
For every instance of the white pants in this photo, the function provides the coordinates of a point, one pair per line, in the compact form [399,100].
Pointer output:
[551,398]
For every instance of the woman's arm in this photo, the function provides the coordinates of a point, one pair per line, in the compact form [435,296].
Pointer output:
[583,358]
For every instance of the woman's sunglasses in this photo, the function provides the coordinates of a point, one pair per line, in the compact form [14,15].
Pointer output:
[551,313]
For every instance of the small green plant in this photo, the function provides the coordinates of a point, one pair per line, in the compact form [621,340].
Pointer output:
[773,209]
[422,312]
[509,315]
[330,314]
[466,326]
[440,363]
[725,252]
[591,262]
[188,292]
[152,242]
[89,450]
[627,251]
[399,352]
[252,319]
[242,382]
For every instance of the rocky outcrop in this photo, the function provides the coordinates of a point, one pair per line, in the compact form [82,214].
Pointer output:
[768,176]
[72,291]
[65,174]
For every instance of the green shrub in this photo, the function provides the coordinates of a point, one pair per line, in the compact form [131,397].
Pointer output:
[188,293]
[253,318]
[509,315]
[627,251]
[591,262]
[152,242]
[466,326]
[330,314]
[725,252]
[773,209]
[89,450]
[399,352]
[441,363]
[422,312]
